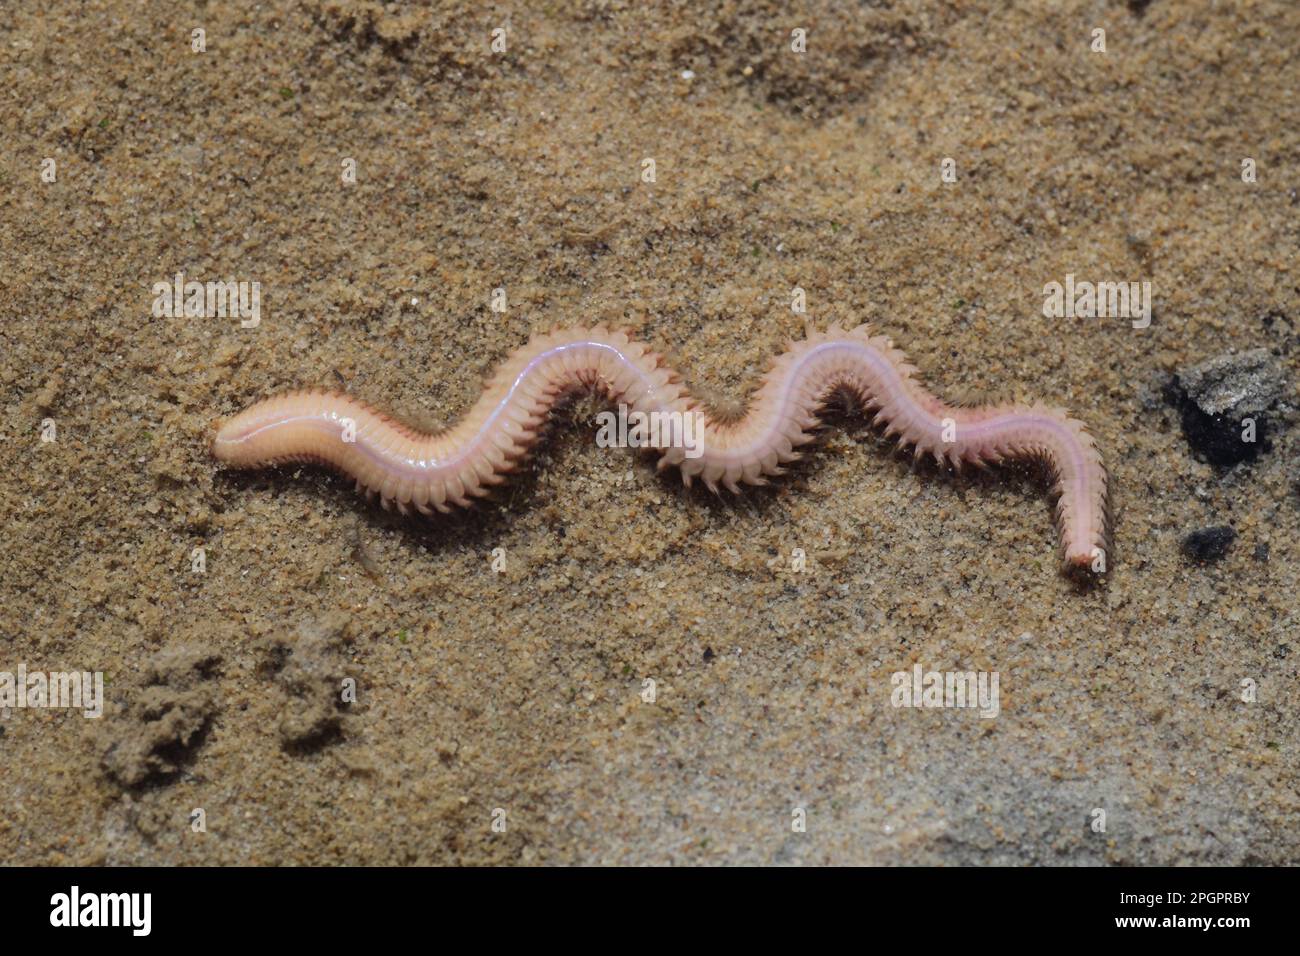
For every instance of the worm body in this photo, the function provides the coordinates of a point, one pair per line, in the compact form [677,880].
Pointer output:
[433,472]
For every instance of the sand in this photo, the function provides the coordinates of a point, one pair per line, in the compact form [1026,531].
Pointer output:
[515,696]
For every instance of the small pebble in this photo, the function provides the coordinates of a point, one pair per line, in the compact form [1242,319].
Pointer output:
[1209,544]
[1217,397]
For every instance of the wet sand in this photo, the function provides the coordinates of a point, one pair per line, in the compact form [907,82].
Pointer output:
[520,689]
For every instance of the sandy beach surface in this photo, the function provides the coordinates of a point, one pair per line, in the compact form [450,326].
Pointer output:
[380,170]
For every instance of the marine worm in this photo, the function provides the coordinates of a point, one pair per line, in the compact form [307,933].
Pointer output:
[425,472]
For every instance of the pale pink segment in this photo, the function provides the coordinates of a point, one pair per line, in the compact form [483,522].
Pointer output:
[428,472]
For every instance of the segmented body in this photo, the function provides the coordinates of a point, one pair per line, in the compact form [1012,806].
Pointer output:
[433,472]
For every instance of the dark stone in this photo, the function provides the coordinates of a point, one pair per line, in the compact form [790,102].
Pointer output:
[1216,397]
[1261,552]
[708,654]
[1217,439]
[1209,544]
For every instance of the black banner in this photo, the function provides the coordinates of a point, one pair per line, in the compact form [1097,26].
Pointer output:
[1169,906]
